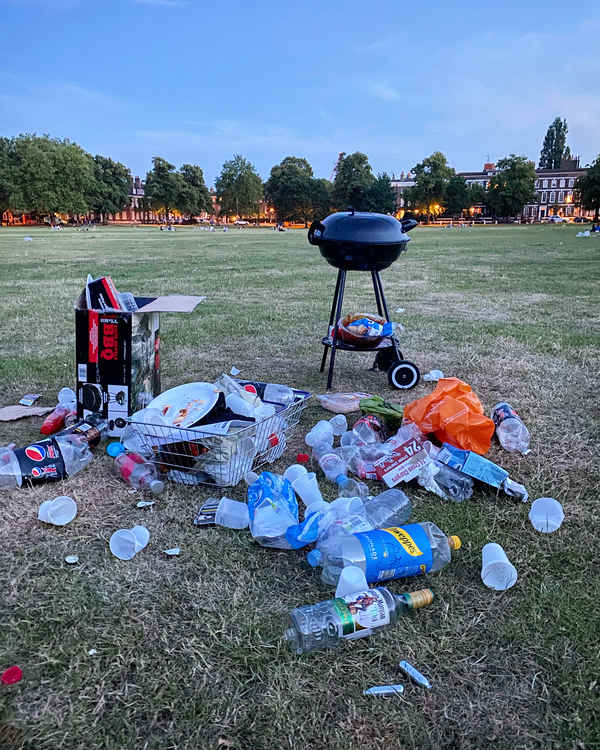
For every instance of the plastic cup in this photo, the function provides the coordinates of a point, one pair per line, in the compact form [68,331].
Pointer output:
[322,432]
[59,511]
[142,537]
[308,489]
[546,514]
[352,580]
[123,544]
[339,424]
[497,572]
[349,438]
[295,471]
[232,514]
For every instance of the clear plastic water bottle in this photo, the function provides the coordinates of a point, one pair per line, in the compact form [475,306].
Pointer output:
[390,508]
[445,481]
[138,472]
[395,552]
[510,430]
[278,394]
[325,625]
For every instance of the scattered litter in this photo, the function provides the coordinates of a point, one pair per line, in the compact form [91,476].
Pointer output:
[433,375]
[399,310]
[60,511]
[114,449]
[584,234]
[173,552]
[92,652]
[546,515]
[232,514]
[510,430]
[72,559]
[414,674]
[390,414]
[207,512]
[27,239]
[138,472]
[10,413]
[384,690]
[342,403]
[46,460]
[11,675]
[234,371]
[497,572]
[29,399]
[145,503]
[357,615]
[126,543]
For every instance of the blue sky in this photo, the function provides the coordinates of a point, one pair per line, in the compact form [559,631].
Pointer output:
[197,82]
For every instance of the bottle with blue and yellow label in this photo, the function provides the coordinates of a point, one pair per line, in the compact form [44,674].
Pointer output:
[395,552]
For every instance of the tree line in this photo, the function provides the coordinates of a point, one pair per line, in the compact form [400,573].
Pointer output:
[47,176]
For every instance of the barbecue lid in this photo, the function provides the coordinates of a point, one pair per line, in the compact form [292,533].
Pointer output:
[360,227]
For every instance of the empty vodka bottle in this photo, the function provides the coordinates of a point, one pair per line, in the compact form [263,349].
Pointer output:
[325,625]
[510,430]
[394,552]
[138,472]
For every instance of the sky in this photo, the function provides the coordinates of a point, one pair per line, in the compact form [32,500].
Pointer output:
[197,82]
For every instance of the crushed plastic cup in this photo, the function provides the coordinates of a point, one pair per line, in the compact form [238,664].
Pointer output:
[546,514]
[339,424]
[60,511]
[308,489]
[295,471]
[322,432]
[232,514]
[126,543]
[433,375]
[351,581]
[497,572]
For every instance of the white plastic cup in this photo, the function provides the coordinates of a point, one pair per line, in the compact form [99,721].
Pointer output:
[322,432]
[308,489]
[232,514]
[123,544]
[339,424]
[295,471]
[60,511]
[142,537]
[497,572]
[352,580]
[546,514]
[349,438]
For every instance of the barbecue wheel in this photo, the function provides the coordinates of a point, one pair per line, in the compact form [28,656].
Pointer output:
[403,375]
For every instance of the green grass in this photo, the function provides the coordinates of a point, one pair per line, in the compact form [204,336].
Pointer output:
[189,650]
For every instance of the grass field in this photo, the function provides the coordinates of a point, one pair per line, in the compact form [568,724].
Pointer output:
[189,650]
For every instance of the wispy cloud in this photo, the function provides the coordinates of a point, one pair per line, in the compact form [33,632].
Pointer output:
[383,91]
[164,3]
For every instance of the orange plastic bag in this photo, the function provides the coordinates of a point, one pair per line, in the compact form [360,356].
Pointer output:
[454,414]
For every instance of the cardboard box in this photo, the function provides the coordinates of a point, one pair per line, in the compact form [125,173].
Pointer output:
[118,356]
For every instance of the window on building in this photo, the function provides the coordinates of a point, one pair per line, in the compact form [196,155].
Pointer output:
[544,196]
[553,183]
[561,197]
[552,197]
[545,183]
[562,183]
[571,181]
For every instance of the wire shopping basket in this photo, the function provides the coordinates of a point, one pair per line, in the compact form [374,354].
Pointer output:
[200,455]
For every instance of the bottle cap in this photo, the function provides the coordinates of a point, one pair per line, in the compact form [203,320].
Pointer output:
[454,542]
[418,599]
[302,458]
[115,449]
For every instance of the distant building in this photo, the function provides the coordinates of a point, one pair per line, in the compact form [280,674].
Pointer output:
[399,185]
[554,189]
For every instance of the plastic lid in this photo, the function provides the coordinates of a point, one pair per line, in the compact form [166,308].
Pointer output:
[302,458]
[341,479]
[454,542]
[314,558]
[115,449]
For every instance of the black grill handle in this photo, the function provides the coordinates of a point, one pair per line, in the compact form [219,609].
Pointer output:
[314,227]
[408,224]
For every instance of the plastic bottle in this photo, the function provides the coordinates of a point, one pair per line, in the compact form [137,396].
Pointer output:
[93,428]
[510,430]
[67,405]
[445,481]
[321,626]
[395,552]
[278,394]
[390,508]
[138,472]
[47,460]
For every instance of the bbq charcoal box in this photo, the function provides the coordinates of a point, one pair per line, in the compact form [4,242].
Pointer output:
[118,356]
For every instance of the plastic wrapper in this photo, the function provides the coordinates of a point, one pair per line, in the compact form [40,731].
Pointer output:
[454,414]
[342,403]
[272,509]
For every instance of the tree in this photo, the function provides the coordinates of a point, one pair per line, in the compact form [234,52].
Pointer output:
[289,189]
[380,196]
[353,178]
[111,188]
[7,173]
[512,186]
[554,148]
[239,187]
[194,197]
[163,186]
[458,195]
[431,180]
[51,176]
[321,198]
[476,194]
[587,189]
